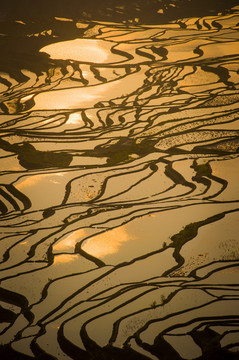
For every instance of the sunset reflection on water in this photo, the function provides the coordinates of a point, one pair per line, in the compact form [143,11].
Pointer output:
[107,243]
[119,184]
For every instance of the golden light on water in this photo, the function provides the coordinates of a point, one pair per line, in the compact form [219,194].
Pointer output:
[75,118]
[84,50]
[64,258]
[29,182]
[81,97]
[119,150]
[36,179]
[69,241]
[107,243]
[62,18]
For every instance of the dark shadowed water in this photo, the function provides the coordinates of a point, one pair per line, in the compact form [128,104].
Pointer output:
[119,180]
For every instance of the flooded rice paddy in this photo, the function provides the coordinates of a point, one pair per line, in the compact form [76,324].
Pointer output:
[119,190]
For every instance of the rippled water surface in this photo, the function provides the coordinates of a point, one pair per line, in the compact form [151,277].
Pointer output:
[119,190]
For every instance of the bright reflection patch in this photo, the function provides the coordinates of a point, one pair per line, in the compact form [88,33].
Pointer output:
[35,179]
[84,50]
[65,258]
[107,243]
[75,118]
[69,241]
